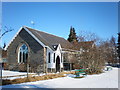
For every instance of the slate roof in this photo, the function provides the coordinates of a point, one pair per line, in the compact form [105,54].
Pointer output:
[51,40]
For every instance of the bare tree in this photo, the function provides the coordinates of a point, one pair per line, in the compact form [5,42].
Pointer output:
[88,36]
[2,33]
[90,55]
[5,31]
[94,57]
[110,50]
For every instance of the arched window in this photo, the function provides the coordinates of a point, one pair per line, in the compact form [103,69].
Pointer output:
[23,54]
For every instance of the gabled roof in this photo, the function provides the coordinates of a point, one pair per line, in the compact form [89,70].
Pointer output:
[46,39]
[51,40]
[55,47]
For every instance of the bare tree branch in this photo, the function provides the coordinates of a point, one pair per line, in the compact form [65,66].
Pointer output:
[88,36]
[5,30]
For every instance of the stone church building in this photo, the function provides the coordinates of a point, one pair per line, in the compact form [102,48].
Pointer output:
[37,51]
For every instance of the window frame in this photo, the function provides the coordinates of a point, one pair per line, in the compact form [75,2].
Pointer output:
[22,53]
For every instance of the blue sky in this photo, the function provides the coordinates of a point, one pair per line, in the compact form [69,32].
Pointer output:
[57,18]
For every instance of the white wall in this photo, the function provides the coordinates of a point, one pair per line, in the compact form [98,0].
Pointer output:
[57,53]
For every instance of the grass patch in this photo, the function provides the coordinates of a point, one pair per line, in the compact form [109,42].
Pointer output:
[69,72]
[31,79]
[79,77]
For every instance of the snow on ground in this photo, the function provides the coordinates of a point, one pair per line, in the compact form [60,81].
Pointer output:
[15,74]
[12,73]
[109,79]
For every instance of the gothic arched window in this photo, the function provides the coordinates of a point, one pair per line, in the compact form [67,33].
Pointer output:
[23,54]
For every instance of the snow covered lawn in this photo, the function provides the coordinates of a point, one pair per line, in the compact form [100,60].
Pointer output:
[13,74]
[109,79]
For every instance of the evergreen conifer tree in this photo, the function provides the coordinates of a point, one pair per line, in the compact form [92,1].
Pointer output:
[72,36]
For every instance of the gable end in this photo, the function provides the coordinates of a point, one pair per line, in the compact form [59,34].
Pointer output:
[29,33]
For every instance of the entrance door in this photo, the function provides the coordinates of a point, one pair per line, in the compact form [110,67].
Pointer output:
[58,64]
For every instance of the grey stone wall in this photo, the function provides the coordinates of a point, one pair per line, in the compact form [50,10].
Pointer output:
[36,53]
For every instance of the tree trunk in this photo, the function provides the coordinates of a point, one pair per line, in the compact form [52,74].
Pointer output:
[45,63]
[27,70]
[70,67]
[28,64]
[1,73]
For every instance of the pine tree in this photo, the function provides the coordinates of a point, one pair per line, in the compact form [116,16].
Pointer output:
[72,36]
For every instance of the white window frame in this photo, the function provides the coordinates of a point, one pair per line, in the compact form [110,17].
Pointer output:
[26,52]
